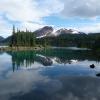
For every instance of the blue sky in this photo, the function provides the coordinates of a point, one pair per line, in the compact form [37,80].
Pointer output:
[68,22]
[82,15]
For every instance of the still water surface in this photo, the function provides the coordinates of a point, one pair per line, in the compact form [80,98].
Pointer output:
[55,74]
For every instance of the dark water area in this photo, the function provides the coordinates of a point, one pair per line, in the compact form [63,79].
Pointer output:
[53,74]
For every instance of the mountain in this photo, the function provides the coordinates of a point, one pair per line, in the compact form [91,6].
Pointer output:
[45,31]
[1,38]
[6,40]
[67,31]
[49,31]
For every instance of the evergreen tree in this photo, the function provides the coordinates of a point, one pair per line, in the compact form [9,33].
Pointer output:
[21,38]
[13,37]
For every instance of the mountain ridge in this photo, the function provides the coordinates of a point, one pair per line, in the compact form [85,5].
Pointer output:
[49,31]
[1,38]
[46,31]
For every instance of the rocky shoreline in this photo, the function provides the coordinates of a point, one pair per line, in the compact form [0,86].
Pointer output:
[20,48]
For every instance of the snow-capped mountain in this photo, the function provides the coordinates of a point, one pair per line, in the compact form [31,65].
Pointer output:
[67,31]
[48,31]
[43,32]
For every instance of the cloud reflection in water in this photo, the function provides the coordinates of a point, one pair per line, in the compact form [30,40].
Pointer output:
[48,77]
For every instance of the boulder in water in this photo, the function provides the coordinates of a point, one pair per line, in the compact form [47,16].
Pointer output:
[92,66]
[98,74]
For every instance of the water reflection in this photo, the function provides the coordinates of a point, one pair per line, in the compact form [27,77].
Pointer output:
[64,88]
[50,57]
[49,75]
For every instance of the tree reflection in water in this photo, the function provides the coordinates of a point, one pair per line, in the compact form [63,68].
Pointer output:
[48,57]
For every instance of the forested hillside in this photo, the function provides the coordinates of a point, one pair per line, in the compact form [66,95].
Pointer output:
[29,39]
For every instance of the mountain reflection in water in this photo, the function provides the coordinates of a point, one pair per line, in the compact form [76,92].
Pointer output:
[50,57]
[53,74]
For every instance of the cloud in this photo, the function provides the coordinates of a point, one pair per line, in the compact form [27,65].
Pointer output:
[29,10]
[30,14]
[30,26]
[5,27]
[26,11]
[90,28]
[81,8]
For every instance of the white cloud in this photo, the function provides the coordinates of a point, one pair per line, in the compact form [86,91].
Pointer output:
[30,26]
[90,28]
[30,13]
[26,11]
[29,10]
[4,27]
[81,8]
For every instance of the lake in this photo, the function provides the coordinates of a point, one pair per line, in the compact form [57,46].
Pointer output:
[53,74]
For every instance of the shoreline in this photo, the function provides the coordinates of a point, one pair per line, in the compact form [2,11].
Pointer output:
[37,48]
[20,48]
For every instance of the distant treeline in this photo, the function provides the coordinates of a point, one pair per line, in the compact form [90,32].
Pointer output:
[91,41]
[21,38]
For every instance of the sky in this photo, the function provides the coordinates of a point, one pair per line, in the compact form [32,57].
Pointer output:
[82,15]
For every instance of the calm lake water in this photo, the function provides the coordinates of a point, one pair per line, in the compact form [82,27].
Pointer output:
[55,74]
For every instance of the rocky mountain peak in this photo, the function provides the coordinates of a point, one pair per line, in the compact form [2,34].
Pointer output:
[45,31]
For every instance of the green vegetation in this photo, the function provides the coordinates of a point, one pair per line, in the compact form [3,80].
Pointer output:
[21,38]
[91,41]
[28,39]
[27,58]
